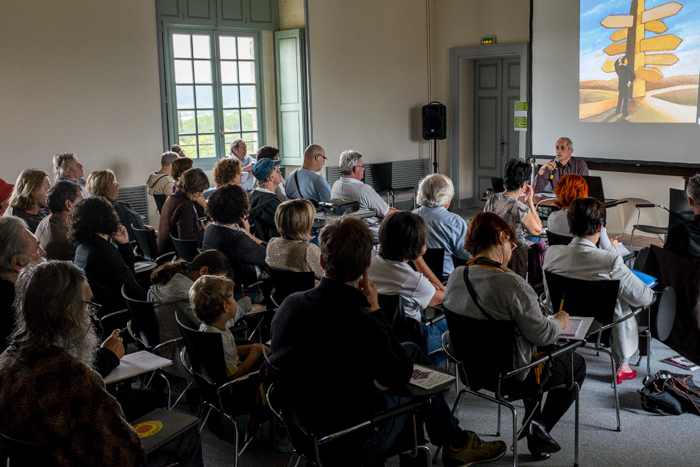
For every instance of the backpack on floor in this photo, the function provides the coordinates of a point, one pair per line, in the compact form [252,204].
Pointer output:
[671,394]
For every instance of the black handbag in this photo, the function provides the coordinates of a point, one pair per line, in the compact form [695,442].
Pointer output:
[670,394]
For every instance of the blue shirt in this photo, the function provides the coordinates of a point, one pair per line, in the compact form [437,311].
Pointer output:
[313,186]
[445,230]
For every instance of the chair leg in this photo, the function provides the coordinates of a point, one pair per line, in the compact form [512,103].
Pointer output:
[428,454]
[576,433]
[498,425]
[182,394]
[614,383]
[206,417]
[632,239]
[291,457]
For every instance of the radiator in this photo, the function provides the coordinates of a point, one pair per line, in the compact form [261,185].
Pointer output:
[406,173]
[137,197]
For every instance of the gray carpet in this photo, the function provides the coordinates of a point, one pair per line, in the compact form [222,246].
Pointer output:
[645,440]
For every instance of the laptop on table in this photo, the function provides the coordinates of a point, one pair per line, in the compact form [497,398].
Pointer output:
[595,189]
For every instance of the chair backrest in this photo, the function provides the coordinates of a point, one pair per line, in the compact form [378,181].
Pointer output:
[557,239]
[664,312]
[160,201]
[143,322]
[498,185]
[206,353]
[301,438]
[146,240]
[21,453]
[435,259]
[485,348]
[186,249]
[583,298]
[405,329]
[679,207]
[457,261]
[289,282]
[641,258]
[382,176]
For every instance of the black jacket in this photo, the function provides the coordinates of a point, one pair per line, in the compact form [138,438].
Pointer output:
[684,239]
[242,252]
[263,207]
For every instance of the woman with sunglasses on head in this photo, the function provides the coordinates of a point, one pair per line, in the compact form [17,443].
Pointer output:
[505,296]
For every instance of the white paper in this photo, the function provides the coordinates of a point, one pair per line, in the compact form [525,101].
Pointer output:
[578,327]
[622,250]
[426,378]
[135,364]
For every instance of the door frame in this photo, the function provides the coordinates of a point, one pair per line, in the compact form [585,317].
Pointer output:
[457,54]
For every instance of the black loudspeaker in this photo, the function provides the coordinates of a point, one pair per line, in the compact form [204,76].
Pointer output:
[434,121]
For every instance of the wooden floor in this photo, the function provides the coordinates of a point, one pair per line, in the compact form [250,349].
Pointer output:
[641,241]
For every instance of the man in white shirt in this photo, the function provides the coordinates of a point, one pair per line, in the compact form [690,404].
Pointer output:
[239,150]
[160,183]
[305,182]
[350,185]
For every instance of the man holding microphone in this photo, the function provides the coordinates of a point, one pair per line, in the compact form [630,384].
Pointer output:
[549,174]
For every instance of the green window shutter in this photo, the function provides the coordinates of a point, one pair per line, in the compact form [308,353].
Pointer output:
[291,95]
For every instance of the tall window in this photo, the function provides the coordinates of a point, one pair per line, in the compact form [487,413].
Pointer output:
[214,92]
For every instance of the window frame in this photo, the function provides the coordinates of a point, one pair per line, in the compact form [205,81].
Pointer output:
[221,148]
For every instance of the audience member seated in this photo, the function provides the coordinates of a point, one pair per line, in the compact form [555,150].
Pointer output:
[569,188]
[160,183]
[180,166]
[239,151]
[263,201]
[67,167]
[28,197]
[170,291]
[51,396]
[293,251]
[18,248]
[350,185]
[177,150]
[179,216]
[505,296]
[582,260]
[271,152]
[227,171]
[5,193]
[522,217]
[104,183]
[549,174]
[684,239]
[402,238]
[343,318]
[305,182]
[229,233]
[52,231]
[445,229]
[93,223]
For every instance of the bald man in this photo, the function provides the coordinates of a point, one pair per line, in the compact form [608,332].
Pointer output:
[305,182]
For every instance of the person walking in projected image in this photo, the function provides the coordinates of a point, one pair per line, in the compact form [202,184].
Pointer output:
[625,77]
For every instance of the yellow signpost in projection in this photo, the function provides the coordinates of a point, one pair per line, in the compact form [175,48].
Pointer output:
[630,39]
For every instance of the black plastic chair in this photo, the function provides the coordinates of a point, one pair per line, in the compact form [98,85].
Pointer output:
[310,446]
[160,201]
[144,329]
[208,368]
[678,212]
[383,182]
[146,241]
[483,352]
[288,282]
[186,249]
[21,453]
[557,239]
[406,329]
[595,299]
[457,261]
[435,260]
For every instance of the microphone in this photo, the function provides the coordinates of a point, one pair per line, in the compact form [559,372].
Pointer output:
[556,161]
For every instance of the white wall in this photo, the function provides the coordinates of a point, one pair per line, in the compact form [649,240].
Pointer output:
[368,77]
[81,77]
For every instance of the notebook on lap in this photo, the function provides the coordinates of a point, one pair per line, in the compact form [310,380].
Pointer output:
[161,426]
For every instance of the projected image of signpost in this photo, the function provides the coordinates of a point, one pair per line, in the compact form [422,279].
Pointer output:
[639,61]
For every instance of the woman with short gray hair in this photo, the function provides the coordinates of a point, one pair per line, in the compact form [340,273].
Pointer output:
[446,229]
[684,239]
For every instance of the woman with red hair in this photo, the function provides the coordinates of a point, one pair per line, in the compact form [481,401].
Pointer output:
[570,187]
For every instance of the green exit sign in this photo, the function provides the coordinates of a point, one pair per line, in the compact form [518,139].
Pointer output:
[488,40]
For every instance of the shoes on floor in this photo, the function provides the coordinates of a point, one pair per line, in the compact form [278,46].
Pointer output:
[539,442]
[621,375]
[474,451]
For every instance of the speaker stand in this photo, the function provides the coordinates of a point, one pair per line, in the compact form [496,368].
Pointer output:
[435,156]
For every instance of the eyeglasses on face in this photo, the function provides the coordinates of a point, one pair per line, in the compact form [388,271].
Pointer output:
[93,308]
[322,156]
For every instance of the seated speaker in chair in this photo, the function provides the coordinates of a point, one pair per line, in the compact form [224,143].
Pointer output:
[335,338]
[581,259]
[402,238]
[500,294]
